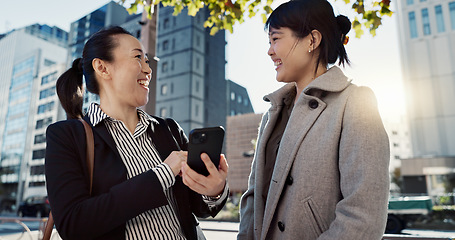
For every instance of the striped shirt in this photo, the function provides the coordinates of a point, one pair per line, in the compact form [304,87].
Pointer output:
[139,155]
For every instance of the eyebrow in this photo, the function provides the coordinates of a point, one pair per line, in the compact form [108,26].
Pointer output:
[138,49]
[274,32]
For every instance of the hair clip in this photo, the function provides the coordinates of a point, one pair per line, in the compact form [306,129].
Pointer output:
[345,40]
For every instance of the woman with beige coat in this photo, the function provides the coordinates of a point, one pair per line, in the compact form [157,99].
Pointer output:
[321,165]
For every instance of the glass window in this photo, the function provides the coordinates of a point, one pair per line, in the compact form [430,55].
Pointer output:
[163,112]
[412,25]
[164,67]
[47,92]
[40,138]
[164,89]
[439,18]
[166,23]
[426,22]
[45,107]
[233,96]
[38,154]
[165,45]
[48,78]
[410,2]
[452,14]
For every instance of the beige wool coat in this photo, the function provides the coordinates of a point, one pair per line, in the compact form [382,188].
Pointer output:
[331,178]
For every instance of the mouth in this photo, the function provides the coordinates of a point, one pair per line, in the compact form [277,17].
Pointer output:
[144,83]
[277,63]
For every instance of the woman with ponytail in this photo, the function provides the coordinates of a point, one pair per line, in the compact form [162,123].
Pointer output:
[142,187]
[320,170]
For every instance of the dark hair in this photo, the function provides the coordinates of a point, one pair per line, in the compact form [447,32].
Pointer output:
[69,84]
[304,16]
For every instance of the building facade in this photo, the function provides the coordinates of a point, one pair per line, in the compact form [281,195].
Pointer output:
[191,83]
[25,54]
[427,40]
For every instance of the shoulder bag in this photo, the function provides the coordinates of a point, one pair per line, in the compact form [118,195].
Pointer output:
[90,157]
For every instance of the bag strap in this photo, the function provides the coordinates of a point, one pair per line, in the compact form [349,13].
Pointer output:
[90,158]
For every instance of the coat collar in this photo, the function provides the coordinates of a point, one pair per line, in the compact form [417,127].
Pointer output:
[333,80]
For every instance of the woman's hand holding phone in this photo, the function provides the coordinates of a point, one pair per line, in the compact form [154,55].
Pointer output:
[211,185]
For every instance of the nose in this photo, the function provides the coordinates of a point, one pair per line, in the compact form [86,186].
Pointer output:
[270,52]
[146,67]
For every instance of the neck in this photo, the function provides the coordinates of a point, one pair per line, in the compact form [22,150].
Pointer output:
[126,114]
[307,79]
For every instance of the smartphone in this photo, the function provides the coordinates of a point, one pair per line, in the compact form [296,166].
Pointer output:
[205,140]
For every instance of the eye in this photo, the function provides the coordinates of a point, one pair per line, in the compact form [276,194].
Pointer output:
[147,61]
[138,56]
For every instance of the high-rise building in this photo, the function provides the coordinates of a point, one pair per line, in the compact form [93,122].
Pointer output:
[25,54]
[111,14]
[191,83]
[427,36]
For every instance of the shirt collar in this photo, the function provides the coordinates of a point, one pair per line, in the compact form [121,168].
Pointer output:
[96,115]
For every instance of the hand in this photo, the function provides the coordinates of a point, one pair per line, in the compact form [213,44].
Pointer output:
[175,160]
[213,184]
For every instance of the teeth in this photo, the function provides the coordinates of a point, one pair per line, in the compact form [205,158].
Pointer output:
[278,62]
[144,82]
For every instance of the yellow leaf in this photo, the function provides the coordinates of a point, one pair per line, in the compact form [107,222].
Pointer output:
[213,31]
[264,18]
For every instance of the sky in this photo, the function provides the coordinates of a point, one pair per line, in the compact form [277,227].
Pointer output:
[375,61]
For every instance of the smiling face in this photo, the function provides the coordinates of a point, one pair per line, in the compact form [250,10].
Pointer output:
[290,55]
[129,73]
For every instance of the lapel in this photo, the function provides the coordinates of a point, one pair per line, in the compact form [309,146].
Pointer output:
[101,130]
[300,122]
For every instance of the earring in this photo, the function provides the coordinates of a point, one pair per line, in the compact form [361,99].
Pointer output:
[309,50]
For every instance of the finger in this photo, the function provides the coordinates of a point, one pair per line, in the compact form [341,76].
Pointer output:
[209,164]
[191,173]
[223,165]
[189,181]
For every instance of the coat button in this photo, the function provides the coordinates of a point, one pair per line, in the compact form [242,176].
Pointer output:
[313,104]
[289,180]
[281,226]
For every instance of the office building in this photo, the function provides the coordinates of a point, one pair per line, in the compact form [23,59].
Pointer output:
[191,83]
[427,36]
[25,54]
[112,14]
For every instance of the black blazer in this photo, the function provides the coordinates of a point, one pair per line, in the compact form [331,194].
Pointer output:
[114,199]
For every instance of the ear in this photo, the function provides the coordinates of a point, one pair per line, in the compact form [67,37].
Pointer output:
[101,68]
[315,39]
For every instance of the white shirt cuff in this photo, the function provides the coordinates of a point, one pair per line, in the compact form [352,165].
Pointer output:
[165,175]
[212,203]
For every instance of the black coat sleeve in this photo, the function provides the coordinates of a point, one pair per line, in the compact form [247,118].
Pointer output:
[78,215]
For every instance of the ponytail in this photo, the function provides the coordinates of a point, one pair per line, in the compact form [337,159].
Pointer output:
[70,90]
